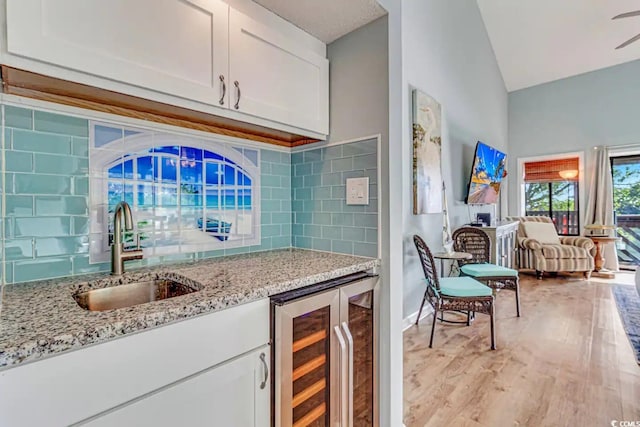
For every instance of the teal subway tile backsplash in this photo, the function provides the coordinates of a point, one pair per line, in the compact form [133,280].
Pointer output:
[18,249]
[354,234]
[369,161]
[37,142]
[80,184]
[365,249]
[38,269]
[80,147]
[41,184]
[342,246]
[18,161]
[60,165]
[19,205]
[56,246]
[81,265]
[47,228]
[322,220]
[15,117]
[80,225]
[60,124]
[41,226]
[61,205]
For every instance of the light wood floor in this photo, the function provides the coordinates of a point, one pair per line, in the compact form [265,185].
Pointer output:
[565,362]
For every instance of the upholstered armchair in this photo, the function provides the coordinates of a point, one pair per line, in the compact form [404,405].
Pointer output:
[541,249]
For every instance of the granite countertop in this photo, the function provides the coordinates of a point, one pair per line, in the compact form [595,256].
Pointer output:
[40,319]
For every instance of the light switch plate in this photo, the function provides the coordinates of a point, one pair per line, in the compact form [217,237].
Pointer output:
[358,191]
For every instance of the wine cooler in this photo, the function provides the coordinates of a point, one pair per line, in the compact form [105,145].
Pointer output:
[325,354]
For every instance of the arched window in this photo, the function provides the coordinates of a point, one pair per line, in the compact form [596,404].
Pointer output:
[187,194]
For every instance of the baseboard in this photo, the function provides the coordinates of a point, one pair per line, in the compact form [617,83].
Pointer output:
[410,320]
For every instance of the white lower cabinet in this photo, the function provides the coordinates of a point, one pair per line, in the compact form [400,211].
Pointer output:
[236,393]
[207,370]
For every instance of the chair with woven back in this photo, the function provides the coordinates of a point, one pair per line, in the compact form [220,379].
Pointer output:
[453,293]
[476,242]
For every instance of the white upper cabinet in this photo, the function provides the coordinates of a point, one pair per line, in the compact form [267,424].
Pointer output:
[178,47]
[276,77]
[186,53]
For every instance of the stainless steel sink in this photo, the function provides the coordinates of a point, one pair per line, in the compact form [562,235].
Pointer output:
[131,294]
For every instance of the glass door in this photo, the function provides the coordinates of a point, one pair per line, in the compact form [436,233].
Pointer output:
[307,391]
[626,205]
[358,318]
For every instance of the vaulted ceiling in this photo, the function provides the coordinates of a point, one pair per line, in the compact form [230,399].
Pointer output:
[538,41]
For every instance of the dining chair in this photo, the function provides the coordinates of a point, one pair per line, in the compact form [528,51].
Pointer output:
[453,293]
[476,242]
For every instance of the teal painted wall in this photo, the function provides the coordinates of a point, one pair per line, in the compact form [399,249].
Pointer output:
[574,114]
[322,220]
[46,187]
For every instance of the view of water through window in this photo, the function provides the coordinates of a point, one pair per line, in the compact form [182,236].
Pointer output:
[188,193]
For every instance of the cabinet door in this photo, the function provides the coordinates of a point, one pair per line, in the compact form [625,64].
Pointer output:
[236,393]
[178,47]
[277,78]
[359,321]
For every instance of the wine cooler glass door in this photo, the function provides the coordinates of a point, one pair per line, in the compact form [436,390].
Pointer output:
[308,343]
[358,319]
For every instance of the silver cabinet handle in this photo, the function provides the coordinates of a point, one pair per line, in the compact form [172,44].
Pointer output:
[344,413]
[263,384]
[224,89]
[238,93]
[347,333]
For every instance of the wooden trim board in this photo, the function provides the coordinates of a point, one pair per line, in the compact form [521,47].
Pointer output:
[45,88]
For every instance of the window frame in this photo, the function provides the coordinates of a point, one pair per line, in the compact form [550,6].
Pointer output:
[549,185]
[613,155]
[520,192]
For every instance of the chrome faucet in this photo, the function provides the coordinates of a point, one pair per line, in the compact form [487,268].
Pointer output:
[118,253]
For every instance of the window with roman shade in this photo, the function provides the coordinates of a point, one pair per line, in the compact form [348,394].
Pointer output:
[551,189]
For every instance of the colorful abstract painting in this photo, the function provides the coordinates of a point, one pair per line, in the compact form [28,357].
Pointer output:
[427,154]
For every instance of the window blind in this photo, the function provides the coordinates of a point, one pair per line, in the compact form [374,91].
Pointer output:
[557,170]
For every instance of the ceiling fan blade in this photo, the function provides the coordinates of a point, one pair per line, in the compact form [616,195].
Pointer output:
[628,42]
[627,15]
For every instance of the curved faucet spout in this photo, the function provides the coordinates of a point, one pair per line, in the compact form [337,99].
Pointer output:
[118,254]
[124,208]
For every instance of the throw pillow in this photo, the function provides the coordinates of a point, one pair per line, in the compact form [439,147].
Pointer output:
[543,232]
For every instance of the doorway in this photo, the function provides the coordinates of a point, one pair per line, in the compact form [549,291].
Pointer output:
[626,206]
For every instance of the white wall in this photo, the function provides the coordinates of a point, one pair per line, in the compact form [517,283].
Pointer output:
[447,54]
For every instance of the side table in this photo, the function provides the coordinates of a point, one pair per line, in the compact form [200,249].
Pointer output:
[598,259]
[453,256]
